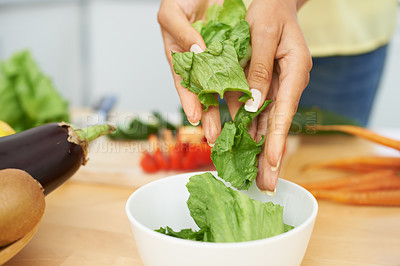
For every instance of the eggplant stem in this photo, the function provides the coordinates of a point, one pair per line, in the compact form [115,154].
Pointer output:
[93,132]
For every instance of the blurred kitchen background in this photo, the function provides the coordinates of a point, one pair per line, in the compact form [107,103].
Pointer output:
[99,47]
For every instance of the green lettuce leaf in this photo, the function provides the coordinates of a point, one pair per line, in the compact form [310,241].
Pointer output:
[220,67]
[215,31]
[241,38]
[184,233]
[213,12]
[28,98]
[235,151]
[232,12]
[216,70]
[198,25]
[226,215]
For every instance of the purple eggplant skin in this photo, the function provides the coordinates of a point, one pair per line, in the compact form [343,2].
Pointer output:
[46,152]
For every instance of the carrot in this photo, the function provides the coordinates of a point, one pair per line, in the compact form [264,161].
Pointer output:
[373,198]
[349,181]
[385,183]
[361,132]
[359,164]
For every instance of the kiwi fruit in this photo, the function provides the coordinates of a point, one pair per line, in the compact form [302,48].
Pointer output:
[22,204]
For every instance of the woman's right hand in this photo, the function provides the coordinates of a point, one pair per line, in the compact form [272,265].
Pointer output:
[175,18]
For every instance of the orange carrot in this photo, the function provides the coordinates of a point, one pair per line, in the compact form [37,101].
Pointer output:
[375,198]
[349,181]
[361,132]
[359,164]
[385,183]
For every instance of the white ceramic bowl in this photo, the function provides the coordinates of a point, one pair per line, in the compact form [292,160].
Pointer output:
[163,203]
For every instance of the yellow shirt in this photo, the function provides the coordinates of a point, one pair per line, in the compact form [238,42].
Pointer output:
[346,27]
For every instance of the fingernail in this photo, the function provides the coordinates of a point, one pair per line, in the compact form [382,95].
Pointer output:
[272,181]
[275,168]
[196,49]
[210,144]
[268,192]
[253,104]
[194,123]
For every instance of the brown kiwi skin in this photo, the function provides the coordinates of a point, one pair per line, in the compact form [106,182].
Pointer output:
[22,204]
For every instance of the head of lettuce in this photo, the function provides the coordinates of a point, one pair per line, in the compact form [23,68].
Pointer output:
[28,98]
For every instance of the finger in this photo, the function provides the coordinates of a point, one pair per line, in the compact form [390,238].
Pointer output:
[179,27]
[279,121]
[293,69]
[253,129]
[263,118]
[264,41]
[266,185]
[266,178]
[211,124]
[232,100]
[293,80]
[189,100]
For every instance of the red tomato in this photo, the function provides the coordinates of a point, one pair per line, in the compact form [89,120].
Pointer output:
[148,163]
[175,157]
[161,160]
[204,154]
[190,160]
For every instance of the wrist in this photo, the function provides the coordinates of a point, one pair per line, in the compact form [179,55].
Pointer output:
[300,3]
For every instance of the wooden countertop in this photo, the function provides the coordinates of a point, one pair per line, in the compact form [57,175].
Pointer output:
[85,222]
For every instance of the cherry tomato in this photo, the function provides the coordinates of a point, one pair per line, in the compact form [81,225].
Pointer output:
[190,160]
[161,160]
[175,157]
[204,154]
[148,163]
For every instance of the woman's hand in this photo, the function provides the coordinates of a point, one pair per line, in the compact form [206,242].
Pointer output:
[175,18]
[279,70]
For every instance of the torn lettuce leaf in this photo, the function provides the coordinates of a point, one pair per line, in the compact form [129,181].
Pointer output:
[215,31]
[222,213]
[216,70]
[184,233]
[227,215]
[232,12]
[220,67]
[225,22]
[241,38]
[213,12]
[235,151]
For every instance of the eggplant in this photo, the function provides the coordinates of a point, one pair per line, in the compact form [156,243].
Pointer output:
[50,153]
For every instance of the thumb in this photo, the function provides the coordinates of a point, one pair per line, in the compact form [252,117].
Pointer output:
[176,23]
